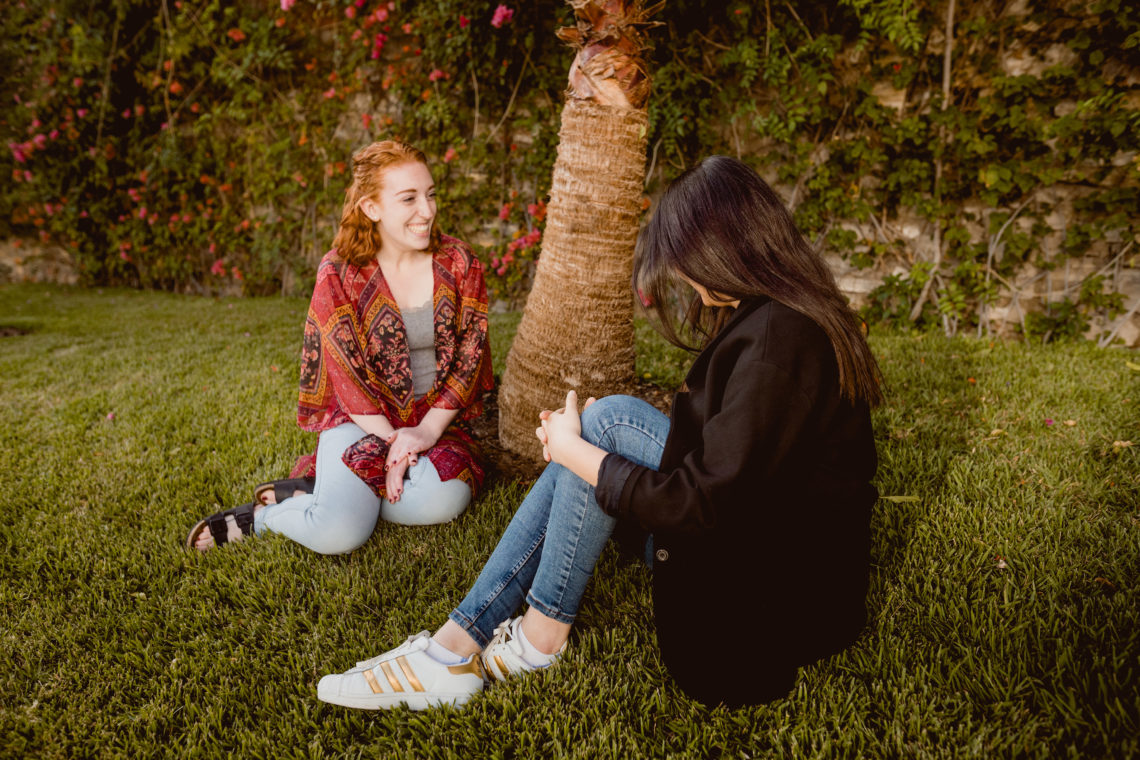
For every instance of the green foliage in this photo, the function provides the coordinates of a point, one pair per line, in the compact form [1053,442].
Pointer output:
[221,146]
[1004,613]
[201,144]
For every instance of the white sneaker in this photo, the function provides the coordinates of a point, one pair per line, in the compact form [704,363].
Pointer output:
[503,655]
[405,675]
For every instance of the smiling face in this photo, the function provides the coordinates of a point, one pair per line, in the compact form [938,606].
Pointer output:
[404,209]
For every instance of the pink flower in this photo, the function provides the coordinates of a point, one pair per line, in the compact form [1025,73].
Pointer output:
[110,415]
[81,112]
[213,250]
[450,155]
[287,4]
[236,273]
[436,75]
[463,21]
[77,83]
[142,213]
[53,134]
[503,15]
[367,119]
[218,268]
[407,28]
[1048,423]
[505,211]
[27,176]
[40,140]
[126,113]
[501,270]
[18,153]
[350,11]
[329,93]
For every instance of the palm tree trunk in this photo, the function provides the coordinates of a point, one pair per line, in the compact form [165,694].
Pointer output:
[577,327]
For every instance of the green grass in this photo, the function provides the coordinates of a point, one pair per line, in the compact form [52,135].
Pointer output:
[1004,604]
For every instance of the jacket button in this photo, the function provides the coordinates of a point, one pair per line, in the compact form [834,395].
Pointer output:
[661,555]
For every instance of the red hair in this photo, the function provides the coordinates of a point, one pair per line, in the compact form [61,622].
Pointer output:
[358,239]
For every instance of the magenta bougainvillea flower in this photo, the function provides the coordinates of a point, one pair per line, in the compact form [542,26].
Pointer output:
[503,15]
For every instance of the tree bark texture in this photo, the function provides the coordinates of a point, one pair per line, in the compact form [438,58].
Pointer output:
[577,329]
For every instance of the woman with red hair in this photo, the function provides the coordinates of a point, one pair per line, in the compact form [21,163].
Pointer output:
[395,359]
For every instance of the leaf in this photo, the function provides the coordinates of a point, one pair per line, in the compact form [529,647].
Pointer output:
[1132,366]
[899,499]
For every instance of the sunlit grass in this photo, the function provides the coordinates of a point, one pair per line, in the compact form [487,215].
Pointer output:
[1004,603]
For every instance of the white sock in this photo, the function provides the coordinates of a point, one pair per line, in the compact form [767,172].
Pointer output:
[531,654]
[440,653]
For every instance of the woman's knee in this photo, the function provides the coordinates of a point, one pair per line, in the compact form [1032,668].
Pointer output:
[600,415]
[426,499]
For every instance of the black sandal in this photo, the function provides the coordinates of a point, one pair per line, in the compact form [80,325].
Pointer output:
[283,489]
[219,526]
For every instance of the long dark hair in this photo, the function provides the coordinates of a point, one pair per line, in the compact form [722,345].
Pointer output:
[720,225]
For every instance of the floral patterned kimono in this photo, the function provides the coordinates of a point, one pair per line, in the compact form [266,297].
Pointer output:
[355,360]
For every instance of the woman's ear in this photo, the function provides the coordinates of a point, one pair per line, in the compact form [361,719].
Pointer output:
[370,208]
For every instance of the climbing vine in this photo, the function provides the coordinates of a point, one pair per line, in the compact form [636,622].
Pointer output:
[977,154]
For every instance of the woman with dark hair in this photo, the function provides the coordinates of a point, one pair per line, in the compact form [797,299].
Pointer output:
[755,494]
[395,358]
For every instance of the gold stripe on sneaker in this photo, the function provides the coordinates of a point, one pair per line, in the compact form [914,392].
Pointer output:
[409,674]
[474,667]
[395,682]
[372,683]
[502,667]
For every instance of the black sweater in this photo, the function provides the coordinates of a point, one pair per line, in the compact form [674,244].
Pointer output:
[760,510]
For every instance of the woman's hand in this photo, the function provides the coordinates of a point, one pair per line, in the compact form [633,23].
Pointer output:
[394,480]
[407,443]
[558,430]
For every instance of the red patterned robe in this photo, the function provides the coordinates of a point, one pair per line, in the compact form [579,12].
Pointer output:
[355,360]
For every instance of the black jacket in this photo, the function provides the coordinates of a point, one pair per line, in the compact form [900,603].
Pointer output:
[760,510]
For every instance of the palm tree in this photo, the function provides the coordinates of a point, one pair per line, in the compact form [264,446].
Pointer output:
[577,327]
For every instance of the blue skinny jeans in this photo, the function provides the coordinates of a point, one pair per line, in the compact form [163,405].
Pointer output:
[547,553]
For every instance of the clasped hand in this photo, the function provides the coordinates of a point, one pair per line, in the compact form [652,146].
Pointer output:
[558,429]
[404,447]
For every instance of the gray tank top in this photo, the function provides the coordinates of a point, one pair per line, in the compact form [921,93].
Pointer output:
[421,344]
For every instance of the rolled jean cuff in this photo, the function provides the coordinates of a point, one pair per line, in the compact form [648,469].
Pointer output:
[470,628]
[550,612]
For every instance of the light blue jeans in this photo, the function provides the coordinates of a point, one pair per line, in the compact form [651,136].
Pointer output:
[341,512]
[548,552]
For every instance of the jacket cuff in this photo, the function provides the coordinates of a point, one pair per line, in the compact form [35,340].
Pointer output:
[613,475]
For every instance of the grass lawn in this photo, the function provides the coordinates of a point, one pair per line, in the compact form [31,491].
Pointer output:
[1005,607]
